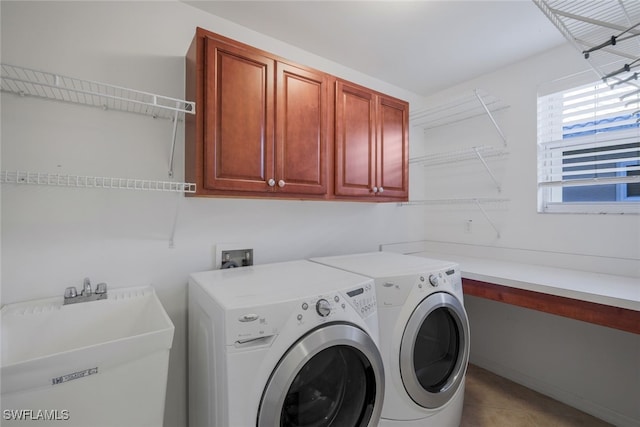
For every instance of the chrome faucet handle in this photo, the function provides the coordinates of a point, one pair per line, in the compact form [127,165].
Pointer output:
[70,292]
[101,288]
[86,287]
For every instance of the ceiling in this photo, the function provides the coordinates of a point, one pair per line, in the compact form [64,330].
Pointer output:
[421,46]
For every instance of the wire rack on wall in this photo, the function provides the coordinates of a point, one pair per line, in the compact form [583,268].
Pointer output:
[606,33]
[456,201]
[466,106]
[28,82]
[40,84]
[484,151]
[478,202]
[63,180]
[479,153]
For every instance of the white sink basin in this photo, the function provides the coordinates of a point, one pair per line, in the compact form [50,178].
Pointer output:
[55,355]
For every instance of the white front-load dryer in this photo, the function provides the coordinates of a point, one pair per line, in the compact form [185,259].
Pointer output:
[424,335]
[286,344]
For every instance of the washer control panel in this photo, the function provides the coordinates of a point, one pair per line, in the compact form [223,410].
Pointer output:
[325,307]
[253,328]
[363,299]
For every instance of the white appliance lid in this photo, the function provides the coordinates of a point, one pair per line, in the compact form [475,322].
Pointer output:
[265,284]
[385,264]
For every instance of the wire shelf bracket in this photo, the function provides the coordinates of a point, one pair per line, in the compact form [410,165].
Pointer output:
[490,115]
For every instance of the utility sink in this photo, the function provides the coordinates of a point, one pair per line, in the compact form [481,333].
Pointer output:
[98,363]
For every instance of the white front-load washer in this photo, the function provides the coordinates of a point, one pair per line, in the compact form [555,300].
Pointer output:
[424,335]
[286,344]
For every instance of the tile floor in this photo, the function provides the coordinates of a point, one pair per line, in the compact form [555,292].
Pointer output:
[493,401]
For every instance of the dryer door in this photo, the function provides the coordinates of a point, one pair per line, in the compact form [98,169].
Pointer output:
[434,350]
[333,376]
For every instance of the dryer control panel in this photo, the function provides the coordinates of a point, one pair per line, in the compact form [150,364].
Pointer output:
[394,291]
[447,279]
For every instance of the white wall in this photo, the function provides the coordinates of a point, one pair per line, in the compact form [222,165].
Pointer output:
[53,237]
[591,367]
[614,237]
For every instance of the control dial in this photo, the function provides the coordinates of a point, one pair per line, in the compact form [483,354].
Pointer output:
[433,279]
[323,307]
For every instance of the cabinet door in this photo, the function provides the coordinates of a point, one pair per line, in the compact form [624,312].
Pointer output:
[238,124]
[393,148]
[355,141]
[301,130]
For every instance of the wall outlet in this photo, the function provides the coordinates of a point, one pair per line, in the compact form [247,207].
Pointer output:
[468,226]
[233,255]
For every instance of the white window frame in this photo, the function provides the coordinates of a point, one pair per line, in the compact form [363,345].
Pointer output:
[554,112]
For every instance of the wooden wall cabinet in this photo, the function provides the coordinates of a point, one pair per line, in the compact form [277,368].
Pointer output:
[260,124]
[371,144]
[302,137]
[264,127]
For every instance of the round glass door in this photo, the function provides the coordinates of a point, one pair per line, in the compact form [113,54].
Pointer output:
[334,383]
[334,388]
[435,350]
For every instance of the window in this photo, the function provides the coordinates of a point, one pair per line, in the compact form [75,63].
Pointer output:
[589,148]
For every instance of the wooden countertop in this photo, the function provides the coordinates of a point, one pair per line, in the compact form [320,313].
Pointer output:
[603,299]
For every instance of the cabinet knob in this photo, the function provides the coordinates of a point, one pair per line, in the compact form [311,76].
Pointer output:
[375,189]
[380,190]
[281,183]
[271,182]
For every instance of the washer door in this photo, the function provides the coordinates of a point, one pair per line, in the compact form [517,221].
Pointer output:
[435,350]
[333,376]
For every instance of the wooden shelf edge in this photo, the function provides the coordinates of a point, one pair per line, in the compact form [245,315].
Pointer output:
[600,314]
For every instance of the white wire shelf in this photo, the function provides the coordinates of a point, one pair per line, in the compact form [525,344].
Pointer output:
[478,202]
[464,107]
[455,201]
[479,153]
[63,180]
[27,82]
[472,153]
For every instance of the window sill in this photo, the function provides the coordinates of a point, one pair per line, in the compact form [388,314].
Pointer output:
[620,208]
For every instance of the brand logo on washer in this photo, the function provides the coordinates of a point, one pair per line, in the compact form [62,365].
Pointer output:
[251,317]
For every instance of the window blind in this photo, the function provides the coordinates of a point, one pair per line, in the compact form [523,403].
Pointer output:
[589,137]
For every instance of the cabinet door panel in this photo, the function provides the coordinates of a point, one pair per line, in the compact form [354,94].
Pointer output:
[238,128]
[355,141]
[301,138]
[393,148]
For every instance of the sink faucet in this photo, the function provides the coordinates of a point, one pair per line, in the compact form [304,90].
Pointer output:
[86,287]
[71,295]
